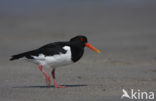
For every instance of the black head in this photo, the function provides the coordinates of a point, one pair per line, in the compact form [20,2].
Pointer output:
[79,39]
[77,47]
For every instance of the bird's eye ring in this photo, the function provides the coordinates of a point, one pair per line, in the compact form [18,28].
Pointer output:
[81,39]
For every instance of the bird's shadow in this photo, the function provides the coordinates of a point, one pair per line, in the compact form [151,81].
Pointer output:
[78,85]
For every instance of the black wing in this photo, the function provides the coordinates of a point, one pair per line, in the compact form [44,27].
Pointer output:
[47,50]
[53,48]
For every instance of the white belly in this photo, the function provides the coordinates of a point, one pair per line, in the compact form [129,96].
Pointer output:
[55,60]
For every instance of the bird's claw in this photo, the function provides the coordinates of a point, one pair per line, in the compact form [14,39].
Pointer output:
[57,86]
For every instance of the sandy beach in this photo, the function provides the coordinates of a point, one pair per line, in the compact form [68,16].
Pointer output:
[125,33]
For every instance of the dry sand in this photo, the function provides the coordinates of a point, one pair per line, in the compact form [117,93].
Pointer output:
[124,32]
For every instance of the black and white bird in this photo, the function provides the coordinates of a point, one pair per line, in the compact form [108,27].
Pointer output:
[57,54]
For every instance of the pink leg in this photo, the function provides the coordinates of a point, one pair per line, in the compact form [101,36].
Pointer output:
[54,79]
[45,74]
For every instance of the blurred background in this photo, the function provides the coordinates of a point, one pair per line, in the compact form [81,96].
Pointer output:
[122,25]
[124,30]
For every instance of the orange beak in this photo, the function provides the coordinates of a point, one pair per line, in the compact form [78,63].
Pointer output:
[91,47]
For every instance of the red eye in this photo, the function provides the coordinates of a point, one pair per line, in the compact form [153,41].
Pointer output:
[81,39]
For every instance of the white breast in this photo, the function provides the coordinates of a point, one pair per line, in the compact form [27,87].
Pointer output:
[55,60]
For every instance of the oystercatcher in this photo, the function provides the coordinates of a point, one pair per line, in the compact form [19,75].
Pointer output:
[57,54]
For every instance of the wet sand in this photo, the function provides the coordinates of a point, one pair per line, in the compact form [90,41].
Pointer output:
[125,34]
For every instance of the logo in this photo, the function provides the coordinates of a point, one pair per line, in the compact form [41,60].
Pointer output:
[138,94]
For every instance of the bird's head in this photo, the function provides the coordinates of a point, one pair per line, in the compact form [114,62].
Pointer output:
[82,40]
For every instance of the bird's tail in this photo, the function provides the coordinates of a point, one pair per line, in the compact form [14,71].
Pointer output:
[14,57]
